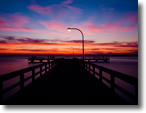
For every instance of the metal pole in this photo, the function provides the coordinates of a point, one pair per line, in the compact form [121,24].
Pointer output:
[82,40]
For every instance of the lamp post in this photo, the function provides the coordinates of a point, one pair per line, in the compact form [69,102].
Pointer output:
[69,29]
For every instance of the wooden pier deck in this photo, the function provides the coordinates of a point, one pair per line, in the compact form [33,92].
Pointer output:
[68,83]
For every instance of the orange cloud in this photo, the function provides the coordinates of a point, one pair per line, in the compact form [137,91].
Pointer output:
[41,46]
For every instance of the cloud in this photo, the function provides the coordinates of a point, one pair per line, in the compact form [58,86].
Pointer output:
[31,50]
[80,41]
[131,18]
[55,25]
[3,22]
[120,44]
[109,27]
[3,42]
[13,39]
[59,11]
[10,38]
[3,49]
[91,47]
[104,8]
[18,20]
[40,9]
[59,42]
[67,2]
[62,27]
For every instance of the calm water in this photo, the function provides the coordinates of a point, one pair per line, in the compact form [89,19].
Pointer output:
[126,65]
[12,63]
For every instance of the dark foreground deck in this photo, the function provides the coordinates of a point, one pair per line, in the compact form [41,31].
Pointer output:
[66,84]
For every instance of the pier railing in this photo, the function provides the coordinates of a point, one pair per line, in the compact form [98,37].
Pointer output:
[113,78]
[22,78]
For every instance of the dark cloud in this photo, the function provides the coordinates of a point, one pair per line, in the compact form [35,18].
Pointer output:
[80,41]
[119,44]
[10,38]
[3,49]
[37,50]
[29,40]
[3,41]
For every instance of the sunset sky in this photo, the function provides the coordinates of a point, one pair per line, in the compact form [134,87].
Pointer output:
[40,26]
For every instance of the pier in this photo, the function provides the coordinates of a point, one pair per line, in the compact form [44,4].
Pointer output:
[36,59]
[66,82]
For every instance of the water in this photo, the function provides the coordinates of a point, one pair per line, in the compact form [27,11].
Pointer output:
[13,63]
[126,65]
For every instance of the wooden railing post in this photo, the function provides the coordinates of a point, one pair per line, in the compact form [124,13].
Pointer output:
[100,75]
[40,70]
[33,75]
[113,83]
[21,81]
[93,71]
[1,92]
[89,67]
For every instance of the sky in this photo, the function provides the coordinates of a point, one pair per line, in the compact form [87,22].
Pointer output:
[40,27]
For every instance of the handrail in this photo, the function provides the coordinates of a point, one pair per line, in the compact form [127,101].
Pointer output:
[126,78]
[22,80]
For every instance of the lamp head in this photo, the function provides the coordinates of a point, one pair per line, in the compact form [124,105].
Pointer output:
[69,29]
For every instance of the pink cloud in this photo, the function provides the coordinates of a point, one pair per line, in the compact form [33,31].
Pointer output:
[40,9]
[127,28]
[18,20]
[15,22]
[12,25]
[104,8]
[109,27]
[3,22]
[111,9]
[60,11]
[7,28]
[21,29]
[132,18]
[67,2]
[55,25]
[62,27]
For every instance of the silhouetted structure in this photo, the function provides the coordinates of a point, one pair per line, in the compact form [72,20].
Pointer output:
[66,82]
[42,59]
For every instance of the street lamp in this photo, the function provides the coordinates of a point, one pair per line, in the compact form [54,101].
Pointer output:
[69,29]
